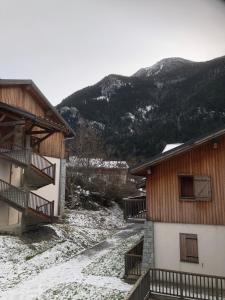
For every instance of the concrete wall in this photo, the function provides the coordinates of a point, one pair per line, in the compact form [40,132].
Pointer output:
[51,191]
[211,248]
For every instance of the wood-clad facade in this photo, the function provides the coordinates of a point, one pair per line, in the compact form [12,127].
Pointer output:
[32,158]
[23,97]
[163,197]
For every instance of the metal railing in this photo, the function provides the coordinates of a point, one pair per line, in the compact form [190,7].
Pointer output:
[26,199]
[13,194]
[135,208]
[178,284]
[133,260]
[41,204]
[27,156]
[43,164]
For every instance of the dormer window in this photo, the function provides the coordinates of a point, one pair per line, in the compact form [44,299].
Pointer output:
[197,188]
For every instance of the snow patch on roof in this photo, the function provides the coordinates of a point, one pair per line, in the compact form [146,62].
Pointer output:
[171,146]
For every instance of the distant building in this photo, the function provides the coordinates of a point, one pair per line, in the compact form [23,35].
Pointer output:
[107,171]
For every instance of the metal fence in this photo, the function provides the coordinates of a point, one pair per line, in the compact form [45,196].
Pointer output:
[135,208]
[179,284]
[133,260]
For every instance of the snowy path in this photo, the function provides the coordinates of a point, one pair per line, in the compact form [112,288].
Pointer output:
[71,272]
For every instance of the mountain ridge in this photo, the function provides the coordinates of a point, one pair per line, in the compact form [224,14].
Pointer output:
[173,100]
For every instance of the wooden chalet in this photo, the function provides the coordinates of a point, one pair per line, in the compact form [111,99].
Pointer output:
[32,157]
[184,242]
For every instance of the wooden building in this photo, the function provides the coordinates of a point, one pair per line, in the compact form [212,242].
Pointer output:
[109,172]
[185,189]
[32,157]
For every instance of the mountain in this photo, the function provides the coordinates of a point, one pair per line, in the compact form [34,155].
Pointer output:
[171,101]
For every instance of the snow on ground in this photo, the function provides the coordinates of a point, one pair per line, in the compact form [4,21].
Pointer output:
[62,261]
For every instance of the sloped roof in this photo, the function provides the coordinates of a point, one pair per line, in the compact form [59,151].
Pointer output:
[41,97]
[141,170]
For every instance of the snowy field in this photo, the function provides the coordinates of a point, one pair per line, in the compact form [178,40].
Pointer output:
[79,259]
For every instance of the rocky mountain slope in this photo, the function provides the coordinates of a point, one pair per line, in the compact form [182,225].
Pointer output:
[172,101]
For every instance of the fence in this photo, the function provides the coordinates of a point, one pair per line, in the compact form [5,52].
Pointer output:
[179,284]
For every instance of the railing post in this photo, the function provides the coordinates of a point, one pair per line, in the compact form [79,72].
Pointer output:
[181,286]
[217,289]
[125,210]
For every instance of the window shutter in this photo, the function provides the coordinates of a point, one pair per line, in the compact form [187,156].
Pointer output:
[189,248]
[202,187]
[192,248]
[182,247]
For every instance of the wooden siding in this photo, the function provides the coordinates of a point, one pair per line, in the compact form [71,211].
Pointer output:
[162,186]
[53,146]
[21,98]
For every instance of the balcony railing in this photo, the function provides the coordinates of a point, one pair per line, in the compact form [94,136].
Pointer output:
[133,261]
[26,156]
[25,199]
[135,209]
[178,284]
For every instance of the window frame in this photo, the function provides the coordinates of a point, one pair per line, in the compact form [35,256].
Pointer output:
[190,198]
[184,257]
[194,198]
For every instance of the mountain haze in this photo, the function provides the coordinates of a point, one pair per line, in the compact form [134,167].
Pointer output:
[171,101]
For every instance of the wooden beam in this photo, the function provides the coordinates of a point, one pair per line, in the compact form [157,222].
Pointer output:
[2,117]
[7,136]
[38,132]
[42,139]
[11,123]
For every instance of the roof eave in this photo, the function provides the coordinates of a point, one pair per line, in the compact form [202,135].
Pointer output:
[142,169]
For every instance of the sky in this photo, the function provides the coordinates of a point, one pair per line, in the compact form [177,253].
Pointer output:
[66,45]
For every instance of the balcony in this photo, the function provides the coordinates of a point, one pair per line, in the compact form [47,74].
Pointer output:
[38,171]
[135,209]
[133,262]
[177,284]
[36,209]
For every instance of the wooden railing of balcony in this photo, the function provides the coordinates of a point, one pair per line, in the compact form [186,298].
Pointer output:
[135,209]
[182,285]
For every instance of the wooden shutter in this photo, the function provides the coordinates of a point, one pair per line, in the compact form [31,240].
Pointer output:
[202,188]
[189,248]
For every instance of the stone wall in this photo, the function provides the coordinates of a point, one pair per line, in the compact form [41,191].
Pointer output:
[148,249]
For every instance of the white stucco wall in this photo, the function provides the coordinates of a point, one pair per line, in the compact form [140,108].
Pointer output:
[211,248]
[51,191]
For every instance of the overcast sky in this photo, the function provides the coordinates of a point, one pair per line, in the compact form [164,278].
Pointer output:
[65,45]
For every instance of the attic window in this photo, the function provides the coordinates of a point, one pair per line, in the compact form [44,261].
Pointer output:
[187,187]
[195,188]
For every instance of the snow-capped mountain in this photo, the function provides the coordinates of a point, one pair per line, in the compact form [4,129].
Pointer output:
[164,66]
[173,100]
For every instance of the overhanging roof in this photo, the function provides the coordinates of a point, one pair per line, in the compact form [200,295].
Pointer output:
[31,86]
[141,169]
[39,121]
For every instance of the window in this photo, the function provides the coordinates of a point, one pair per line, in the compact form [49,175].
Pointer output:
[189,248]
[195,188]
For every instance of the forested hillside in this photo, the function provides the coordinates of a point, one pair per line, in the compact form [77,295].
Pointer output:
[172,101]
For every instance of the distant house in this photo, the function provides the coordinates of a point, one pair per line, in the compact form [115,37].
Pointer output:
[107,171]
[32,157]
[185,223]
